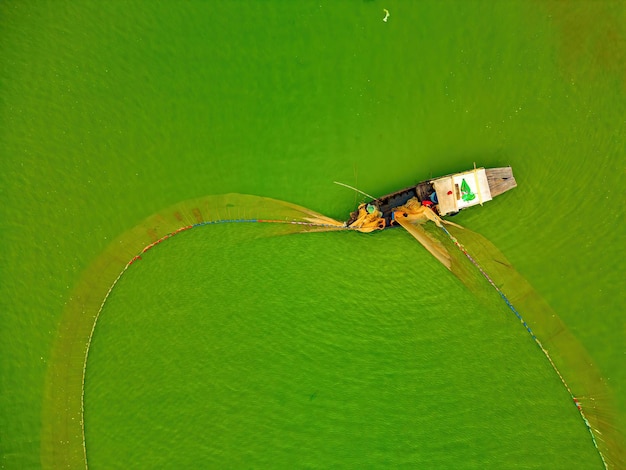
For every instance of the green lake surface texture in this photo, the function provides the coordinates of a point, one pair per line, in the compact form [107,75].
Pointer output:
[226,349]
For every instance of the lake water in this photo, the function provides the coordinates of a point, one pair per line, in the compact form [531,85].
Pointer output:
[227,348]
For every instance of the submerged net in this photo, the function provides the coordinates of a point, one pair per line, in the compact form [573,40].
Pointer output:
[63,434]
[569,359]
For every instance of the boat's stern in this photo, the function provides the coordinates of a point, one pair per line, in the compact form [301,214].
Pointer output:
[471,188]
[500,180]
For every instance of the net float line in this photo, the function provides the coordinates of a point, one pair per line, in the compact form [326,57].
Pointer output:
[574,399]
[63,441]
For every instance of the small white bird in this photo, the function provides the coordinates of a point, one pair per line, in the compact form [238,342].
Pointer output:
[386,15]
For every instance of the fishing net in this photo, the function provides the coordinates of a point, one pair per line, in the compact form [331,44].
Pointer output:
[62,440]
[567,356]
[582,379]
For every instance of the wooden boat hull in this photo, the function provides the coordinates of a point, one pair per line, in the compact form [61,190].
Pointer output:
[447,195]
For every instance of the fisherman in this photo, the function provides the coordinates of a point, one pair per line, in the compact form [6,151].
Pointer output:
[367,219]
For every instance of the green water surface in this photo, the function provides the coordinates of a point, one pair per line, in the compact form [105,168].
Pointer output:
[321,350]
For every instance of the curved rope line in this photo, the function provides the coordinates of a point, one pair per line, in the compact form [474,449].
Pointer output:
[575,400]
[63,428]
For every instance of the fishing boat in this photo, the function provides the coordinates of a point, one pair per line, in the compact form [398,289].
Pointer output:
[443,196]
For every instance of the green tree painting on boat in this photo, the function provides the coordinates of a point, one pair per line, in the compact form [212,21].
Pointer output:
[466,192]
